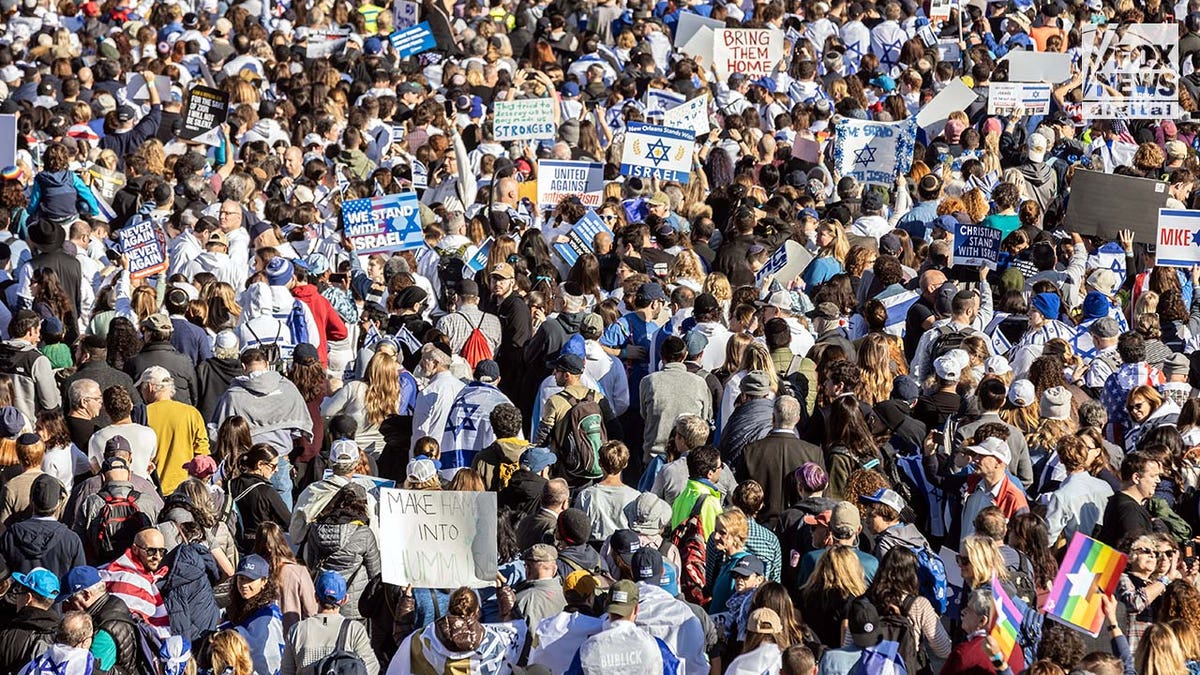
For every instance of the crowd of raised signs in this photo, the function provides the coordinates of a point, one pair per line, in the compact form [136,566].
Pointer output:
[599,336]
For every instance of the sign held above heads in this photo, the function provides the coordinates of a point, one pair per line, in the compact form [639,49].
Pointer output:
[785,264]
[413,40]
[1051,67]
[874,152]
[658,152]
[955,97]
[438,539]
[558,179]
[205,110]
[524,119]
[387,223]
[976,246]
[144,245]
[753,52]
[582,237]
[1030,98]
[1178,238]
[1096,197]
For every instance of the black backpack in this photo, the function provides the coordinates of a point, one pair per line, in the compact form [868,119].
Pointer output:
[949,337]
[899,628]
[342,661]
[117,523]
[1021,577]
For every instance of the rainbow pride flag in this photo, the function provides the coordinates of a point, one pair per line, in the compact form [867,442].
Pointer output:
[1007,624]
[1089,570]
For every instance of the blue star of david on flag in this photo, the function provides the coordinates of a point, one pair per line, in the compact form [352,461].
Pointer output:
[1196,237]
[466,413]
[658,152]
[865,156]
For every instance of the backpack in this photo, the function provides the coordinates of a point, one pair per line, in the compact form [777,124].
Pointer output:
[149,644]
[882,659]
[476,348]
[341,661]
[451,270]
[1021,577]
[885,465]
[931,575]
[949,337]
[579,434]
[115,526]
[689,538]
[270,350]
[899,628]
[14,361]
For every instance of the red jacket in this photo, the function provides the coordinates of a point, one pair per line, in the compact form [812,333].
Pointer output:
[1010,500]
[329,324]
[968,658]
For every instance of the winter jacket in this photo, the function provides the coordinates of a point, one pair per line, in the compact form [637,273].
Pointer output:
[110,614]
[329,324]
[1041,180]
[41,542]
[349,549]
[522,493]
[164,354]
[188,590]
[29,634]
[498,462]
[213,377]
[190,340]
[749,422]
[58,195]
[256,501]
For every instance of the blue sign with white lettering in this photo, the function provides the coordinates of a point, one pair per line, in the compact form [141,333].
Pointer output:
[387,223]
[413,41]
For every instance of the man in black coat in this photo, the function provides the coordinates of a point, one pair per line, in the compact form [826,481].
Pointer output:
[42,541]
[48,239]
[33,627]
[214,375]
[84,591]
[93,365]
[771,460]
[158,351]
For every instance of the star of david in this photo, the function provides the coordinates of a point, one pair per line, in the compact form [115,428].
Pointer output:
[1196,237]
[469,411]
[865,156]
[890,48]
[1081,582]
[658,152]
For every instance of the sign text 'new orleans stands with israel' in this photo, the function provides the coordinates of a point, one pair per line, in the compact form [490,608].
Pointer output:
[658,152]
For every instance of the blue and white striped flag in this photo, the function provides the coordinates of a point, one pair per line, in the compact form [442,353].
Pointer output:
[897,310]
[468,427]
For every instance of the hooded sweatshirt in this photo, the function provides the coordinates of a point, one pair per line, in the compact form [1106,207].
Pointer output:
[41,542]
[498,462]
[902,534]
[219,265]
[56,194]
[271,404]
[1042,180]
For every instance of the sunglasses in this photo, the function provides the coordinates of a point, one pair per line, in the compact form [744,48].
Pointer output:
[1149,552]
[153,551]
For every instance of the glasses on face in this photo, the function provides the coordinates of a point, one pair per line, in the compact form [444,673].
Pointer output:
[153,552]
[1145,551]
[608,217]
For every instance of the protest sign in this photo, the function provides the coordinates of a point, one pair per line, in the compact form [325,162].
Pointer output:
[1031,98]
[1096,196]
[1178,238]
[807,149]
[690,23]
[325,43]
[136,90]
[793,36]
[406,14]
[558,179]
[939,11]
[976,245]
[1089,570]
[1051,67]
[438,539]
[581,237]
[387,223]
[691,115]
[105,183]
[874,152]
[413,40]
[8,140]
[786,263]
[659,101]
[1131,73]
[658,152]
[145,247]
[478,261]
[203,114]
[700,44]
[948,50]
[753,52]
[525,118]
[955,97]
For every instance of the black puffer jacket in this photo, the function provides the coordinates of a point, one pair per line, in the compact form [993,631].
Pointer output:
[111,615]
[181,368]
[213,377]
[30,633]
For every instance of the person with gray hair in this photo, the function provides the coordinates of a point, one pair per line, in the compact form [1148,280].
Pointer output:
[85,402]
[70,652]
[976,617]
[691,432]
[432,407]
[770,460]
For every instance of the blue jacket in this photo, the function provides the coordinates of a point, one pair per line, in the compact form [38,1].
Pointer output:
[126,142]
[191,340]
[264,631]
[56,195]
[188,591]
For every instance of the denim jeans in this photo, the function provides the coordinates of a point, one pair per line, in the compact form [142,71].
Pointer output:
[282,480]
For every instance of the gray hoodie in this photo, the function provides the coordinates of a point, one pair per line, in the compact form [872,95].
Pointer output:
[903,534]
[271,404]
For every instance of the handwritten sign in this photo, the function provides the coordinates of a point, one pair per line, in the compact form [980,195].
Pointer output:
[976,246]
[203,114]
[1004,98]
[558,179]
[691,115]
[387,223]
[413,40]
[1178,238]
[658,152]
[754,52]
[438,539]
[526,118]
[406,14]
[581,237]
[874,152]
[145,246]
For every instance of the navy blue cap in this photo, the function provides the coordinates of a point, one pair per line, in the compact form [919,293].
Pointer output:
[748,565]
[79,579]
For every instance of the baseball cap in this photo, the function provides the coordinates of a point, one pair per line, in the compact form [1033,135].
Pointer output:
[331,587]
[863,620]
[886,497]
[114,464]
[157,322]
[992,447]
[201,466]
[1022,393]
[649,292]
[569,363]
[845,520]
[1105,327]
[536,458]
[696,343]
[622,599]
[343,451]
[78,579]
[421,470]
[705,303]
[625,543]
[647,565]
[157,376]
[764,620]
[305,353]
[253,567]
[217,237]
[748,566]
[659,198]
[504,271]
[125,114]
[540,553]
[39,580]
[46,493]
[487,371]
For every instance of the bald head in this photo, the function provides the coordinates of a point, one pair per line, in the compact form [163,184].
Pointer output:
[931,280]
[507,190]
[150,538]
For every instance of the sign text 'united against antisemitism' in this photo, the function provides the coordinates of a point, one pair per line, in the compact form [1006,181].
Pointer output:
[438,539]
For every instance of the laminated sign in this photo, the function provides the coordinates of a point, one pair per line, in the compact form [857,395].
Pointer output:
[581,238]
[145,247]
[438,539]
[203,115]
[1031,98]
[413,40]
[754,52]
[524,119]
[976,245]
[559,179]
[387,223]
[658,152]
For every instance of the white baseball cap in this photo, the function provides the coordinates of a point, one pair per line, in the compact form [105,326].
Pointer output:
[992,447]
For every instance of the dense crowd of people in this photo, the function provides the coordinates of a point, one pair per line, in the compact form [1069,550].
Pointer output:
[701,464]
